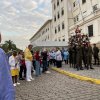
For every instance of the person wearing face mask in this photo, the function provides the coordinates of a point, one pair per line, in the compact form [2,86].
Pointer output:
[7,91]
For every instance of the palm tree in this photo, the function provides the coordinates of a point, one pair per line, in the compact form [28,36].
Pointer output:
[9,44]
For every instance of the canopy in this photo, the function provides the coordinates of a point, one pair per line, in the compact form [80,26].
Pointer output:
[50,44]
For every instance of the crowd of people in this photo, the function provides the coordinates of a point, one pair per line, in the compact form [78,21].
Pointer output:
[24,63]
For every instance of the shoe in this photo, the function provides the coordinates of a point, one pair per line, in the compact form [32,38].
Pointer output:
[21,79]
[31,78]
[91,68]
[47,72]
[28,80]
[18,83]
[14,84]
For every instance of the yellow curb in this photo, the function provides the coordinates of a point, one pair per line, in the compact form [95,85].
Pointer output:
[83,78]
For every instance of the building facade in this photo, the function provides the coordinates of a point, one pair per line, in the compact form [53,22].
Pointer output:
[60,20]
[66,15]
[86,14]
[44,33]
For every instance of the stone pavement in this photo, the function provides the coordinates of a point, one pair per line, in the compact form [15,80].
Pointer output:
[88,73]
[56,86]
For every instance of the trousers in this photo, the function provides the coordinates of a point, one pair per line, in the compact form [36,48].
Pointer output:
[28,71]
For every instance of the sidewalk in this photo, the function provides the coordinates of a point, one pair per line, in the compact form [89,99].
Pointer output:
[92,73]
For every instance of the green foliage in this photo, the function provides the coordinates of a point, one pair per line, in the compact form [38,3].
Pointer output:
[9,46]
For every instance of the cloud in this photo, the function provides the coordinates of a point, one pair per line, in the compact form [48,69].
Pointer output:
[22,18]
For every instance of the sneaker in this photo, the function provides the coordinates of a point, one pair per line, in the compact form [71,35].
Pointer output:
[31,78]
[28,80]
[47,72]
[18,83]
[14,84]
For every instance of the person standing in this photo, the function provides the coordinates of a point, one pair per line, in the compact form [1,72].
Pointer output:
[96,54]
[22,68]
[79,57]
[89,57]
[58,58]
[44,60]
[66,56]
[7,91]
[28,62]
[14,68]
[37,64]
[70,56]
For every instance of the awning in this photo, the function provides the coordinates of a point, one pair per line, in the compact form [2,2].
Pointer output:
[50,44]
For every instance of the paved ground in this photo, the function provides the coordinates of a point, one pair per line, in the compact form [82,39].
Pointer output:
[56,86]
[89,73]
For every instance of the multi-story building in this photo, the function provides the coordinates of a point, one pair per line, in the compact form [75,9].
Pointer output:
[66,15]
[86,14]
[60,20]
[44,33]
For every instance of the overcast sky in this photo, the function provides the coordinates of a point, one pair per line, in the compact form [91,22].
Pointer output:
[20,19]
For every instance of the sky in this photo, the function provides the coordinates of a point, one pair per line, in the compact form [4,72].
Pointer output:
[20,19]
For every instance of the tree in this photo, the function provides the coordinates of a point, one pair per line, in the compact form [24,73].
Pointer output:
[9,46]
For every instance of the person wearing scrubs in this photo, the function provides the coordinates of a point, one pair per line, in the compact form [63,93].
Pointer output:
[7,91]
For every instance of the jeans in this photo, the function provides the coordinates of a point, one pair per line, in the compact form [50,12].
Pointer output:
[45,65]
[37,68]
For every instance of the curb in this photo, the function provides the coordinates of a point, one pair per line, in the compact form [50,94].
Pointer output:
[83,78]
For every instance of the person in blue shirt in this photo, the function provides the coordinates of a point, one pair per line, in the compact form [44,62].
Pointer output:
[66,56]
[7,91]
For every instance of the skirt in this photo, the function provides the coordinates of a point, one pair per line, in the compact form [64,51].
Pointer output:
[14,72]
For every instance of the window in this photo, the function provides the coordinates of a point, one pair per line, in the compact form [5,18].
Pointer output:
[84,13]
[83,1]
[57,2]
[54,6]
[54,18]
[62,11]
[46,30]
[63,39]
[48,36]
[55,30]
[74,4]
[90,30]
[95,7]
[63,26]
[58,15]
[43,32]
[59,40]
[76,18]
[58,28]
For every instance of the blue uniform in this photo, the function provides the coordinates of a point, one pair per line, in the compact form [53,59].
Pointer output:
[7,91]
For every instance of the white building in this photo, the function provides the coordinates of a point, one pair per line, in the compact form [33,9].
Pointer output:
[86,14]
[66,15]
[44,33]
[60,20]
